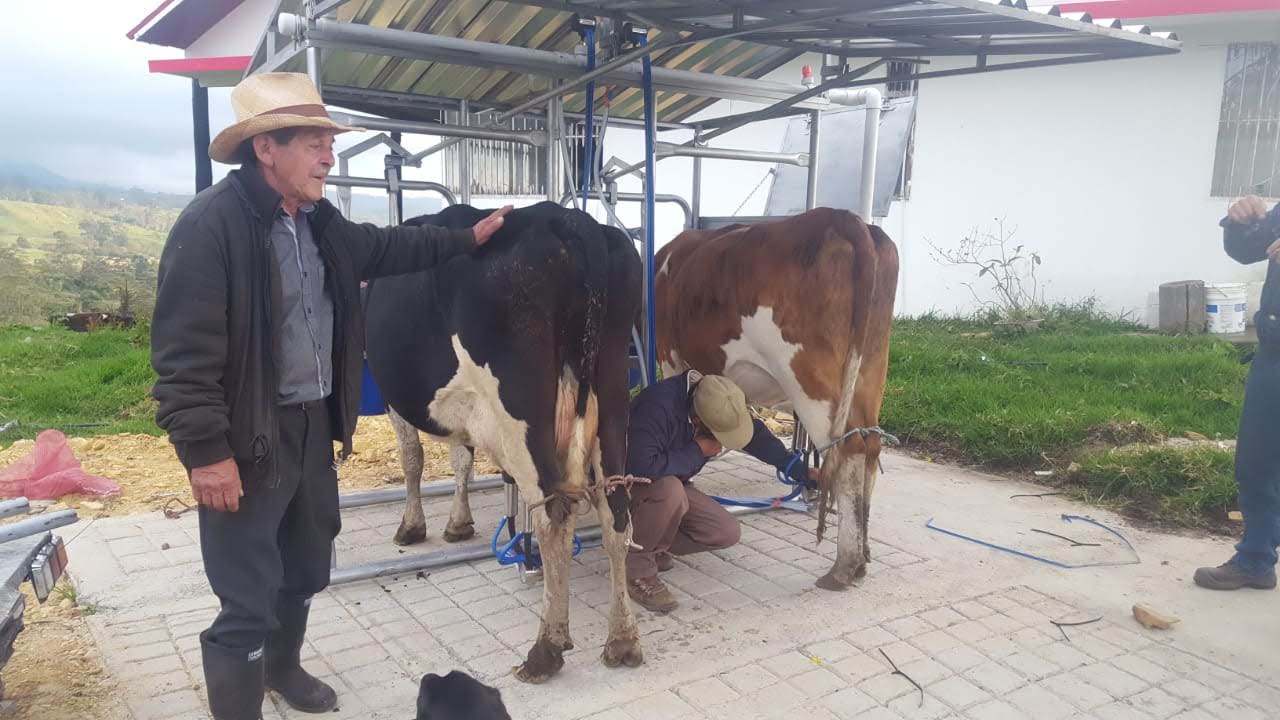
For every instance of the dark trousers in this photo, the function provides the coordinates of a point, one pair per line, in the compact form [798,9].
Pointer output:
[1258,463]
[277,547]
[670,516]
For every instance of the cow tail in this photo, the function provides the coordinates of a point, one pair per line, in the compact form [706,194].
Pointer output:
[849,228]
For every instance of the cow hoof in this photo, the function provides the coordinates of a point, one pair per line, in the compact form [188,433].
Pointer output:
[459,533]
[841,578]
[544,660]
[410,535]
[625,651]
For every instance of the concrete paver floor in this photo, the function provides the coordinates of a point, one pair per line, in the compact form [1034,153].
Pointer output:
[753,638]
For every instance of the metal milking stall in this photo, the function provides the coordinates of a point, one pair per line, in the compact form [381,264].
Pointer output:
[521,94]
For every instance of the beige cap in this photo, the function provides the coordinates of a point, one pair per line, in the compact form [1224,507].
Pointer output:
[722,407]
[271,101]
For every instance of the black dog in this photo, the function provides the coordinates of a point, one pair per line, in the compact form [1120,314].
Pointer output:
[458,696]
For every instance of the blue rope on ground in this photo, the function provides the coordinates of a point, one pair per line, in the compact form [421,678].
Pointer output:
[1068,566]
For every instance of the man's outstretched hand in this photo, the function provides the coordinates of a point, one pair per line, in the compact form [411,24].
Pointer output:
[485,229]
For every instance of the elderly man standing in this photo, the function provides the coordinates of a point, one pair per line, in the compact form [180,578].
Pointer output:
[1251,235]
[257,342]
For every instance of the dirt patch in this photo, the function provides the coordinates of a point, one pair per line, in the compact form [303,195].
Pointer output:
[57,672]
[150,475]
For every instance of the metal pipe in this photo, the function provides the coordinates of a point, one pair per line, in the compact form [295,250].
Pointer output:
[640,197]
[35,525]
[200,129]
[17,506]
[471,552]
[313,65]
[650,182]
[588,151]
[464,155]
[553,155]
[870,98]
[786,107]
[811,190]
[436,488]
[566,66]
[536,138]
[696,197]
[664,149]
[367,182]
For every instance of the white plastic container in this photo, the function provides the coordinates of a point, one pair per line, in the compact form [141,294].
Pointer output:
[1226,305]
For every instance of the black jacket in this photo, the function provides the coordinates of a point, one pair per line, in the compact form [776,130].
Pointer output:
[1248,244]
[660,436]
[214,333]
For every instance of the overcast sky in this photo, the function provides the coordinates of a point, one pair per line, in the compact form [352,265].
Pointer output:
[79,100]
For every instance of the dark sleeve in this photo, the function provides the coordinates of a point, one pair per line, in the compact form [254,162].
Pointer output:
[381,251]
[650,434]
[189,345]
[766,447]
[1248,244]
[647,436]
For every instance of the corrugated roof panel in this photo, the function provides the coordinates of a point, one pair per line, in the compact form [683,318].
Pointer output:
[865,28]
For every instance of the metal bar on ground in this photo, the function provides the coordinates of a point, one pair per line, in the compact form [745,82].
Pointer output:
[436,488]
[23,528]
[455,555]
[17,506]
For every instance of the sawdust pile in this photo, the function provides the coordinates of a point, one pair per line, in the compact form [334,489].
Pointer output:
[57,671]
[151,477]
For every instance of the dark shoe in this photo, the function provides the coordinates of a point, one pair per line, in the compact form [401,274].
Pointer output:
[1231,577]
[233,678]
[284,673]
[651,594]
[665,561]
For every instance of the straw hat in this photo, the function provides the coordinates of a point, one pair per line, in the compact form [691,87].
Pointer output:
[722,407]
[271,101]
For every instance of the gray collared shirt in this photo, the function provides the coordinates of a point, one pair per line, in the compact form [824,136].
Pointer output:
[306,334]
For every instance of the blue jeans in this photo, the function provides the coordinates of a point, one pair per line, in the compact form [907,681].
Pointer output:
[1258,463]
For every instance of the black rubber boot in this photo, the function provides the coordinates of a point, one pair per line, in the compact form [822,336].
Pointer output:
[233,678]
[284,671]
[1231,576]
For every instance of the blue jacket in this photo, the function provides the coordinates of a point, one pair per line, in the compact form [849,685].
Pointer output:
[1248,244]
[660,436]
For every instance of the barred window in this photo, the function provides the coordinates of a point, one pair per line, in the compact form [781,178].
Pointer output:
[898,83]
[1248,152]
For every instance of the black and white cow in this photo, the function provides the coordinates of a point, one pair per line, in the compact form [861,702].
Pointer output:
[520,349]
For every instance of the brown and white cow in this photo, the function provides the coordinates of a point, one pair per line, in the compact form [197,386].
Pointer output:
[797,312]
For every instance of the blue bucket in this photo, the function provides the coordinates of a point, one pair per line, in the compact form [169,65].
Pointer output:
[371,402]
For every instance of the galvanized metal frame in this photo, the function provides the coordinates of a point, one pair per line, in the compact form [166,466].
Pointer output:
[797,25]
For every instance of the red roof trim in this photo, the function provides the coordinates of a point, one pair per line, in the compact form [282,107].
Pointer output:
[1166,8]
[183,66]
[150,16]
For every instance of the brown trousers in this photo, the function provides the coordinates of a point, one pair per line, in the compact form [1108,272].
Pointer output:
[670,516]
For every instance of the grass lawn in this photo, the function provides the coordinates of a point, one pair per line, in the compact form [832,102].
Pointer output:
[80,383]
[1071,392]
